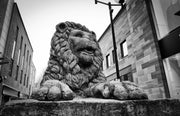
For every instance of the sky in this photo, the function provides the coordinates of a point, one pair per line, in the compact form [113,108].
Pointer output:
[41,16]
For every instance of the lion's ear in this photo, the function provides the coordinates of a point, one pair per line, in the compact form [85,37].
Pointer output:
[61,27]
[93,33]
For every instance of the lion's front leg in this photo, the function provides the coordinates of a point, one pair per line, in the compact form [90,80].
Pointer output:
[53,90]
[117,90]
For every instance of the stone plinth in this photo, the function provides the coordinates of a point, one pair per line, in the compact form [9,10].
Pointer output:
[92,107]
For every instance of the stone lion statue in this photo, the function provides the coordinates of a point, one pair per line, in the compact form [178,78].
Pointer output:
[75,69]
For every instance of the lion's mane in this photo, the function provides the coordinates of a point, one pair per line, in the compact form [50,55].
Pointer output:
[63,63]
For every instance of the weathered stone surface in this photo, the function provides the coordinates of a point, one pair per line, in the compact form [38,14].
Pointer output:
[92,107]
[75,69]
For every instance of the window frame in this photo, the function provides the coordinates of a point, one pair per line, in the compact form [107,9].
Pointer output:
[108,63]
[113,56]
[155,22]
[122,49]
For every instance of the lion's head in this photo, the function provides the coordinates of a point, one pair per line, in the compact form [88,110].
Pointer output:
[75,56]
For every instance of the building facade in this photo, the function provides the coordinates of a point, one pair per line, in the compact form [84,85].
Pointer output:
[5,15]
[32,78]
[18,50]
[138,33]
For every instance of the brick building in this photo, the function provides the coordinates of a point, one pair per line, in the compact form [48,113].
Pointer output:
[18,50]
[142,37]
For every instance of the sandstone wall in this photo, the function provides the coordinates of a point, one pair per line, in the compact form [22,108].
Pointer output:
[92,107]
[133,25]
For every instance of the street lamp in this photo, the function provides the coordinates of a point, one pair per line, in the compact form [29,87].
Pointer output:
[120,3]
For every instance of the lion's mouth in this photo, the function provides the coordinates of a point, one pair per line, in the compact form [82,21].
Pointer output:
[88,50]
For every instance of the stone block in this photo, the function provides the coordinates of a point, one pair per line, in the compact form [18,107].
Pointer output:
[92,107]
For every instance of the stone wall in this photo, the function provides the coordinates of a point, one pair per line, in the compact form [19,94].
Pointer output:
[133,25]
[92,107]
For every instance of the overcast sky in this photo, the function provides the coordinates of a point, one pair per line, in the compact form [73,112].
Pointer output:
[41,16]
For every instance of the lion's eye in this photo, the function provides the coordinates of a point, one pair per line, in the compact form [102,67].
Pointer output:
[79,34]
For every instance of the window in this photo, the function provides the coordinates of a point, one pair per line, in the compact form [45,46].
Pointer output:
[27,56]
[126,74]
[13,50]
[29,60]
[21,42]
[172,70]
[17,73]
[124,50]
[24,79]
[18,59]
[166,15]
[23,58]
[113,56]
[14,43]
[21,76]
[24,49]
[27,82]
[127,77]
[12,58]
[19,52]
[108,61]
[11,67]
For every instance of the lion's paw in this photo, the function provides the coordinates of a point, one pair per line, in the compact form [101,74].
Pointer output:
[134,91]
[53,90]
[119,90]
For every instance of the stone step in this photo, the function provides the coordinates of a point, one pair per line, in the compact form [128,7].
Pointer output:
[92,107]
